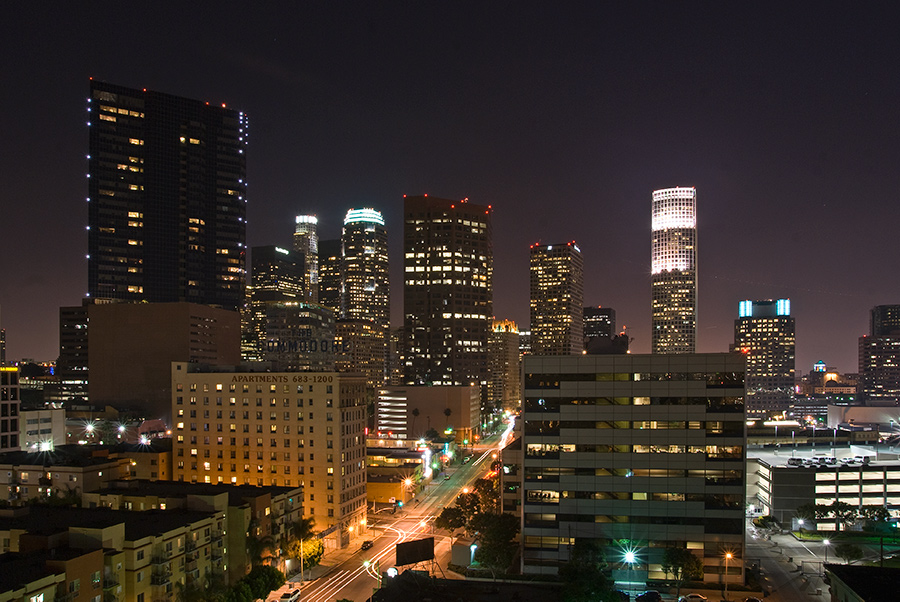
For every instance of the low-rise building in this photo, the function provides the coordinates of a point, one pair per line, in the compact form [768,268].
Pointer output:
[408,412]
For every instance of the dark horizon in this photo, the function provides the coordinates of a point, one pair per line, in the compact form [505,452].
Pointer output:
[564,119]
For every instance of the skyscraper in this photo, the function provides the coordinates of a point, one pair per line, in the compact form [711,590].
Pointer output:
[306,241]
[599,325]
[447,291]
[674,270]
[330,274]
[365,293]
[764,333]
[277,276]
[879,355]
[167,198]
[645,450]
[504,388]
[557,299]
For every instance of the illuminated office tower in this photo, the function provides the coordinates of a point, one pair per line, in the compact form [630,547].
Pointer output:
[365,294]
[447,291]
[557,298]
[306,241]
[764,333]
[879,355]
[330,274]
[504,389]
[674,270]
[277,276]
[647,451]
[167,198]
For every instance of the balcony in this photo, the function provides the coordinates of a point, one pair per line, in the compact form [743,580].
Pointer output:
[110,582]
[158,560]
[161,578]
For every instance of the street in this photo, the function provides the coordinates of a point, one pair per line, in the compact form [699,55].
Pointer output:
[358,575]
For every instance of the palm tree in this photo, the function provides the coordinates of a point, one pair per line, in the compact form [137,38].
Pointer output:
[447,413]
[415,414]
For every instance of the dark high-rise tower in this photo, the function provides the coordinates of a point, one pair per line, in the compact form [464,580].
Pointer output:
[764,332]
[330,275]
[599,325]
[447,291]
[557,298]
[674,270]
[167,198]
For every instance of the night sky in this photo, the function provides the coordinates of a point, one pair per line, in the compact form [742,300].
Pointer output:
[564,118]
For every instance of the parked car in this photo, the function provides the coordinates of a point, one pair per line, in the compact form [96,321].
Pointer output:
[651,595]
[446,477]
[367,544]
[693,598]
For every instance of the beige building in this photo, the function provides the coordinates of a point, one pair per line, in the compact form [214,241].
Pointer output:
[504,390]
[42,429]
[408,412]
[261,511]
[145,554]
[69,469]
[276,428]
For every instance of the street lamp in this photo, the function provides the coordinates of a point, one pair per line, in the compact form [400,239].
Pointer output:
[630,558]
[833,441]
[826,543]
[472,549]
[728,556]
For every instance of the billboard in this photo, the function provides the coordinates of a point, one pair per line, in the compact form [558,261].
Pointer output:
[417,550]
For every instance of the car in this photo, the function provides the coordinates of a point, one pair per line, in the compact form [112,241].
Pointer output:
[367,544]
[651,595]
[467,459]
[290,596]
[693,598]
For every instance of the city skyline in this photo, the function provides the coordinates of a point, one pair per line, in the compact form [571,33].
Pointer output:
[563,130]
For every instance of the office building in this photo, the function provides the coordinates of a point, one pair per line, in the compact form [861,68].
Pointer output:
[504,389]
[298,336]
[599,326]
[408,412]
[360,348]
[287,429]
[646,451]
[447,291]
[764,333]
[557,299]
[306,241]
[277,276]
[365,290]
[330,274]
[167,198]
[366,282]
[71,383]
[673,280]
[879,356]
[42,429]
[9,408]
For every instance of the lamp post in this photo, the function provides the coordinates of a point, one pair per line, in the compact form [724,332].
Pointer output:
[630,558]
[728,556]
[472,549]
[793,442]
[833,441]
[826,543]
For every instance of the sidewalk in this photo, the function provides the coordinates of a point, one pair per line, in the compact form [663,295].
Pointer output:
[331,560]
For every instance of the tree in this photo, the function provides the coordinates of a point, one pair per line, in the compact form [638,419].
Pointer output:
[431,434]
[239,593]
[683,565]
[586,575]
[495,535]
[451,518]
[875,513]
[415,414]
[806,512]
[447,413]
[263,579]
[488,491]
[843,513]
[469,503]
[260,550]
[849,552]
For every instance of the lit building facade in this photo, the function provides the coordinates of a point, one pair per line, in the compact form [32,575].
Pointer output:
[557,299]
[306,241]
[408,412]
[879,356]
[504,388]
[330,274]
[673,280]
[166,198]
[276,428]
[447,291]
[9,408]
[277,276]
[643,449]
[360,347]
[764,332]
